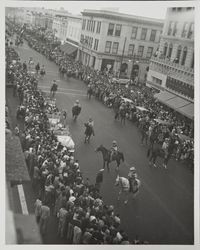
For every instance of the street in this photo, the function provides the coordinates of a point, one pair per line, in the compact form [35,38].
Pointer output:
[162,213]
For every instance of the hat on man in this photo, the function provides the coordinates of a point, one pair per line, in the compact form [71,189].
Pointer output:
[132,169]
[101,170]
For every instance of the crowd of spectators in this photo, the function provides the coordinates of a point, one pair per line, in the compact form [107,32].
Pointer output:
[106,90]
[82,216]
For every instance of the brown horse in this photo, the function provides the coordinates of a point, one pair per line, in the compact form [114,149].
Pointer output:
[106,157]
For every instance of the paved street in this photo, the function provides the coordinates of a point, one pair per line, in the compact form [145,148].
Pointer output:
[162,213]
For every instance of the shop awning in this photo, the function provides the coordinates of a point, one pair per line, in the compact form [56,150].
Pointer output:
[187,110]
[68,48]
[164,96]
[176,102]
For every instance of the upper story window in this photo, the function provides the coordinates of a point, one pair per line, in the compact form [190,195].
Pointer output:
[96,43]
[175,29]
[170,28]
[140,51]
[192,62]
[93,27]
[98,27]
[131,49]
[134,32]
[178,53]
[87,24]
[153,35]
[143,34]
[185,30]
[191,31]
[118,30]
[115,47]
[149,52]
[165,49]
[170,50]
[83,24]
[108,46]
[110,29]
[184,56]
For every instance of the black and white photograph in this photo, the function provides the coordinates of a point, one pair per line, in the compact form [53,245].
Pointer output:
[100,131]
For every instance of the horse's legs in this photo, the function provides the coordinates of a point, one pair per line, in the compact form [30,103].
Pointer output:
[118,198]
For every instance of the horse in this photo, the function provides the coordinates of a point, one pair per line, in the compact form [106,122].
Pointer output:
[53,90]
[88,132]
[75,112]
[106,157]
[156,151]
[124,187]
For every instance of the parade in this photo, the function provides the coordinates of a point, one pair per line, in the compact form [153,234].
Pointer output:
[75,162]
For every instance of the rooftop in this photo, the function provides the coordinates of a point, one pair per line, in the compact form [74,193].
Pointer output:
[121,16]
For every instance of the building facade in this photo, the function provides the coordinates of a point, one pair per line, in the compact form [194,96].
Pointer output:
[172,70]
[118,42]
[67,28]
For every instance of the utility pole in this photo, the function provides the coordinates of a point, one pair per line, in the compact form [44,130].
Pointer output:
[122,57]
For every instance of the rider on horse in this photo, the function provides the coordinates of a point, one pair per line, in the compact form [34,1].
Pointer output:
[76,109]
[132,175]
[89,127]
[113,150]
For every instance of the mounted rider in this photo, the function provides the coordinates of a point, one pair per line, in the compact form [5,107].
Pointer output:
[76,109]
[113,150]
[89,127]
[132,175]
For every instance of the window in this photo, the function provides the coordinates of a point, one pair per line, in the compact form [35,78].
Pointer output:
[179,53]
[118,30]
[134,32]
[108,46]
[131,49]
[88,24]
[115,48]
[98,27]
[93,28]
[110,29]
[184,56]
[140,51]
[153,35]
[170,28]
[191,31]
[174,29]
[185,30]
[143,34]
[165,49]
[96,43]
[192,62]
[83,24]
[149,52]
[170,50]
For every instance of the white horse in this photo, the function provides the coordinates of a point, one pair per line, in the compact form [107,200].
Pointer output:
[124,187]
